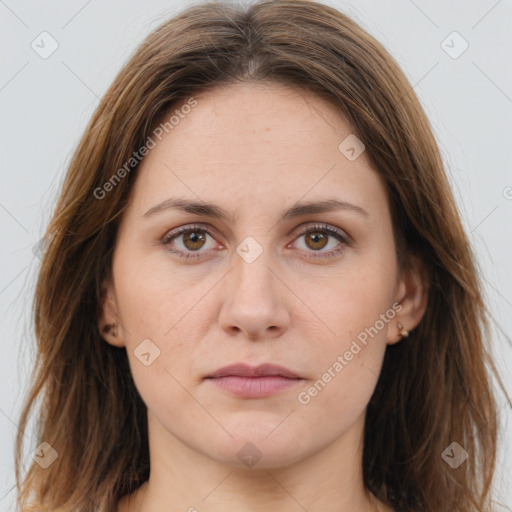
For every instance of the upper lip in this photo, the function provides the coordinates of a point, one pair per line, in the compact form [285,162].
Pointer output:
[244,370]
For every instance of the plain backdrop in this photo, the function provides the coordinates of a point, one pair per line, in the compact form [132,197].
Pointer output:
[46,103]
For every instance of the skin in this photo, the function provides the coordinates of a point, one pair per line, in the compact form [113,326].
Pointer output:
[255,150]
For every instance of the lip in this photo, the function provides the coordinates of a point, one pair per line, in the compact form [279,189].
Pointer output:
[254,382]
[263,370]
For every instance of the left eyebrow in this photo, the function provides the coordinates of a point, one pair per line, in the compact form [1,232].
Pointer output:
[327,205]
[211,210]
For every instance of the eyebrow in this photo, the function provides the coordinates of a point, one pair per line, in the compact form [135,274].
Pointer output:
[211,210]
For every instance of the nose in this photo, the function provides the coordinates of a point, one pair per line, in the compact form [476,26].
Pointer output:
[255,301]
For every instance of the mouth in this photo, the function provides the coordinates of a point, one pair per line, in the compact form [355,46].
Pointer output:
[254,382]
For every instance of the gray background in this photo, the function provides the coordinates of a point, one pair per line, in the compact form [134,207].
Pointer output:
[45,104]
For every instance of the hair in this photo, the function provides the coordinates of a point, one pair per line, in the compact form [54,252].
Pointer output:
[435,388]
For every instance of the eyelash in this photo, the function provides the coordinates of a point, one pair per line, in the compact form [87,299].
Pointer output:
[318,228]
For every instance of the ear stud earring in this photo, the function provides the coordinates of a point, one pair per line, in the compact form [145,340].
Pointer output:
[401,331]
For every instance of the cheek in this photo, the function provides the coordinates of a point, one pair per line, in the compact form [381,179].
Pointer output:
[169,308]
[335,402]
[153,295]
[358,298]
[347,365]
[356,309]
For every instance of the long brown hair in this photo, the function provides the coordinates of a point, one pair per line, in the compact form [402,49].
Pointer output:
[435,387]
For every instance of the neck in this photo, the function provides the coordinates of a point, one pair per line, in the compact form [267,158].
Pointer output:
[183,479]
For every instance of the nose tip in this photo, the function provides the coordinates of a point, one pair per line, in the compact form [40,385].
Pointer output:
[253,302]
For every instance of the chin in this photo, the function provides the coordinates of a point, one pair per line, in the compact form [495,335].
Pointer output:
[252,449]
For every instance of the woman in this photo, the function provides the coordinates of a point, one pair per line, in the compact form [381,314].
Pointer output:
[257,292]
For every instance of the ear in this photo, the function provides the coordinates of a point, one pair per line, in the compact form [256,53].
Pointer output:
[412,295]
[109,324]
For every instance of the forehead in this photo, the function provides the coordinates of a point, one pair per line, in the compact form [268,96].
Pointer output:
[258,145]
[257,119]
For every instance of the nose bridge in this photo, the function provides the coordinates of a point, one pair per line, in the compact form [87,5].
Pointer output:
[251,273]
[253,301]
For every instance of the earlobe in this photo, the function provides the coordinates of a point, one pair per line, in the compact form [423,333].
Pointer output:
[412,295]
[107,328]
[108,322]
[402,332]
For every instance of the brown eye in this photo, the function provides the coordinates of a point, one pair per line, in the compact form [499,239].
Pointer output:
[189,241]
[316,240]
[194,240]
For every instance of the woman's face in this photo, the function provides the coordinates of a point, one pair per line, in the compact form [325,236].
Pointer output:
[256,288]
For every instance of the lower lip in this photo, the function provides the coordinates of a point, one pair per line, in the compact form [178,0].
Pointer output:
[254,387]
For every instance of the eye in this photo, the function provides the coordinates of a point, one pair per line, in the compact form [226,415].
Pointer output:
[317,238]
[188,241]
[193,239]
